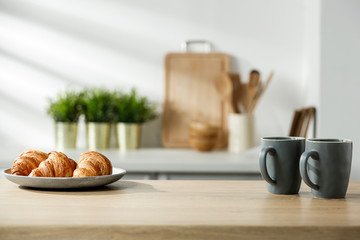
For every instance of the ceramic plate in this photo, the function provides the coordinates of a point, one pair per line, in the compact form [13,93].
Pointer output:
[65,182]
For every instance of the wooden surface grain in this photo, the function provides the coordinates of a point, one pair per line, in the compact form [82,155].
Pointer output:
[176,210]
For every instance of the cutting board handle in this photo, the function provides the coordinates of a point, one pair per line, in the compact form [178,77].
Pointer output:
[207,44]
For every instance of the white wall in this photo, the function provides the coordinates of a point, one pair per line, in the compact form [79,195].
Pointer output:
[48,46]
[340,81]
[311,52]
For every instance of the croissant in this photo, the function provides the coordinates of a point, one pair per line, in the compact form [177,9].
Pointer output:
[27,161]
[93,164]
[56,165]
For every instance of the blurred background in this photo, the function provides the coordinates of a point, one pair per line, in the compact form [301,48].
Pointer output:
[51,46]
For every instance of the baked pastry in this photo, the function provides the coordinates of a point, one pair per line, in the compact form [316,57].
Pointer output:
[27,161]
[56,165]
[92,164]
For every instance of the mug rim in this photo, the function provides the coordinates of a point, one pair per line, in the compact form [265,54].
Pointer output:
[282,139]
[329,140]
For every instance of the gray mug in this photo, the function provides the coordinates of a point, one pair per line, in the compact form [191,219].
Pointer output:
[279,163]
[326,165]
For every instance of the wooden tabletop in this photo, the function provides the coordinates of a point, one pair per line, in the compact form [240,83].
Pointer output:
[176,210]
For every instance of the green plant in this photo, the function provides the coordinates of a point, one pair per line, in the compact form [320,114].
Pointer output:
[132,108]
[66,107]
[98,105]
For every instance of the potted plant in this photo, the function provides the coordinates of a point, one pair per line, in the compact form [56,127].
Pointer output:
[132,111]
[65,109]
[98,108]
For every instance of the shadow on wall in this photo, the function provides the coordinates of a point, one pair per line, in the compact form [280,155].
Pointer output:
[63,77]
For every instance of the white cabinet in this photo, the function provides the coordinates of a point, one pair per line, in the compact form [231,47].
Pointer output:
[192,176]
[208,176]
[187,164]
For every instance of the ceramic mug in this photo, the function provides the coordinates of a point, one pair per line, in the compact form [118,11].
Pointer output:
[326,165]
[279,163]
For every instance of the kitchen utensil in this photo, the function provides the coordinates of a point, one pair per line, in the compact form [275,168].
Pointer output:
[325,166]
[190,95]
[240,93]
[235,78]
[259,94]
[225,89]
[279,163]
[243,98]
[252,87]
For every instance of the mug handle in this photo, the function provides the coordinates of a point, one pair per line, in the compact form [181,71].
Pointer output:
[262,161]
[304,167]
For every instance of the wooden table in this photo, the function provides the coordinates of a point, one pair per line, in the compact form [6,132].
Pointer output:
[176,210]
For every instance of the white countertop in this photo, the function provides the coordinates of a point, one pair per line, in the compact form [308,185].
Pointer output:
[165,160]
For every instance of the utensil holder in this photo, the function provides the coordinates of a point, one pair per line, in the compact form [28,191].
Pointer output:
[241,132]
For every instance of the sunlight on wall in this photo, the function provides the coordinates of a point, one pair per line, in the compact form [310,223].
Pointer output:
[49,46]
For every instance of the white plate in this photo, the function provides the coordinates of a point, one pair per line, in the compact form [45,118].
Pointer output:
[65,182]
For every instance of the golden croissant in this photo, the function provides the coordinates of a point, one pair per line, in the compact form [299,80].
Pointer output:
[27,161]
[93,164]
[56,165]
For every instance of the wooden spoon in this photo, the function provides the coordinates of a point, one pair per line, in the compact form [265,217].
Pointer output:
[240,95]
[235,78]
[224,87]
[260,93]
[253,86]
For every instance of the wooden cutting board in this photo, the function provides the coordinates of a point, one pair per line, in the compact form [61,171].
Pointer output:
[190,95]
